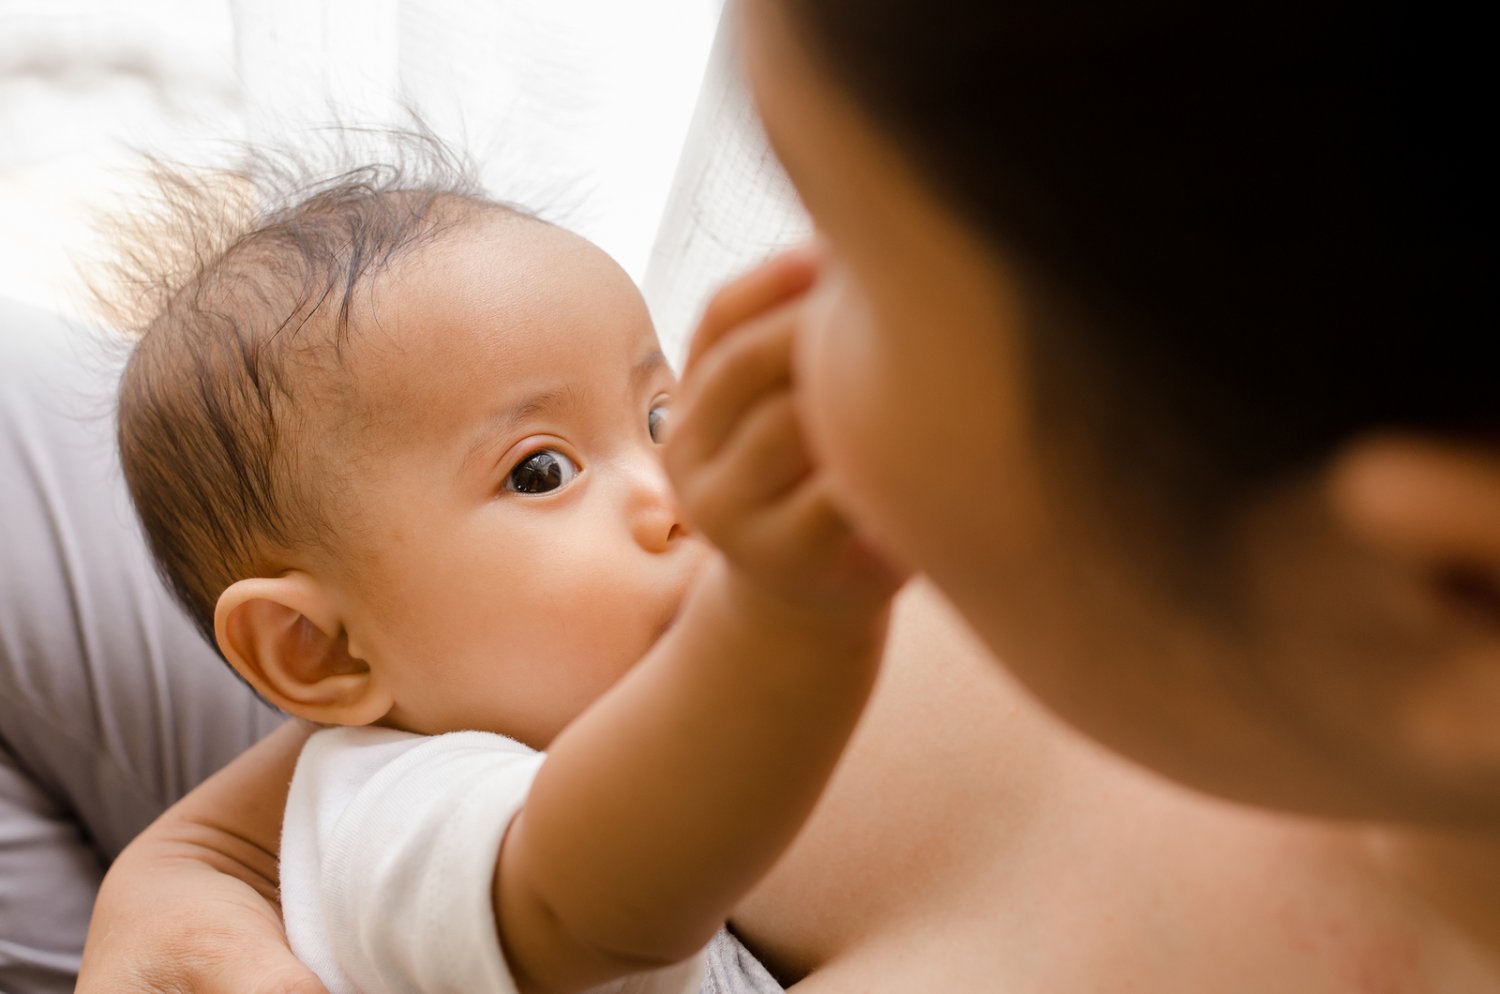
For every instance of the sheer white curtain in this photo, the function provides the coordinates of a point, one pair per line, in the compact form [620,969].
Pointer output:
[582,109]
[730,204]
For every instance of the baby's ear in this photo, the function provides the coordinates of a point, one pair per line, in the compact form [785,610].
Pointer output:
[282,635]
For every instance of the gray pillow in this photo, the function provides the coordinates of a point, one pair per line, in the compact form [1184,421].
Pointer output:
[111,705]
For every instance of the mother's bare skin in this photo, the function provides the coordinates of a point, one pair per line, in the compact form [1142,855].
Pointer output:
[971,843]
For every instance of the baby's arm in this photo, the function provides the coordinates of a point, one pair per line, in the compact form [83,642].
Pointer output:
[662,805]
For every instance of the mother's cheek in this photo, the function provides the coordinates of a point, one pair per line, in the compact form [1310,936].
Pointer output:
[851,408]
[917,418]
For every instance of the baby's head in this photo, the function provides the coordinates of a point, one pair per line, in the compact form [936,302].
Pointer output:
[394,447]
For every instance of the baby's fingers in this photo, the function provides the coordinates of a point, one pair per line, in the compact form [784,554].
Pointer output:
[760,463]
[783,277]
[727,383]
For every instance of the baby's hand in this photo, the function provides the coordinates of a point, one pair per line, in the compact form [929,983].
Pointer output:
[736,455]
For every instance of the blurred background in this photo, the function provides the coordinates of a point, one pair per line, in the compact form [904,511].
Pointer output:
[623,121]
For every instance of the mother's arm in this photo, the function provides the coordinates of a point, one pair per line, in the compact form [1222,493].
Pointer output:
[190,907]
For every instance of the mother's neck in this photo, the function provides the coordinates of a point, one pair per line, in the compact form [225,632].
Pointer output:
[1455,873]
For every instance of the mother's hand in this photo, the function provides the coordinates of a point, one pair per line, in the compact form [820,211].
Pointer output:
[190,906]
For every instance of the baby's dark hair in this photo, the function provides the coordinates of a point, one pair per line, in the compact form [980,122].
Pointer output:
[239,289]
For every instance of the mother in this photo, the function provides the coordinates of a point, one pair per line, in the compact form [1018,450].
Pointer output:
[1128,282]
[1095,348]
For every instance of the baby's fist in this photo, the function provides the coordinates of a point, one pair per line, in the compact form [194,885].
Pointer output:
[738,459]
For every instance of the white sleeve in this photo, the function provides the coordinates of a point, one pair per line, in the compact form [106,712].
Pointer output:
[388,855]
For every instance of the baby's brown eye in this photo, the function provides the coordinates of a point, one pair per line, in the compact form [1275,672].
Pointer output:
[656,423]
[541,472]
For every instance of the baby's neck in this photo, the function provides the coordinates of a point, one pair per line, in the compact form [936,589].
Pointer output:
[1456,874]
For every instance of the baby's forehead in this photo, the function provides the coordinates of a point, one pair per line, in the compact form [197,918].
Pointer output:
[497,304]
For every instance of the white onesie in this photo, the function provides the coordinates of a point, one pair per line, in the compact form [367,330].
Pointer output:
[387,856]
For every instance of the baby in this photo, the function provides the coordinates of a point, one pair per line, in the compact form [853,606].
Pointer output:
[398,449]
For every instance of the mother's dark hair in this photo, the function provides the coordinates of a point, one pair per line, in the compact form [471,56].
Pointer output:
[1252,228]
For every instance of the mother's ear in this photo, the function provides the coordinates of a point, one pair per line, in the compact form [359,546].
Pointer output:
[1435,504]
[283,636]
[1431,508]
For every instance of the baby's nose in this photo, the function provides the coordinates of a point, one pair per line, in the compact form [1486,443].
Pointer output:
[655,515]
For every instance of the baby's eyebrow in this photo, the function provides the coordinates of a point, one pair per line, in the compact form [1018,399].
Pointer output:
[567,396]
[647,367]
[504,422]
